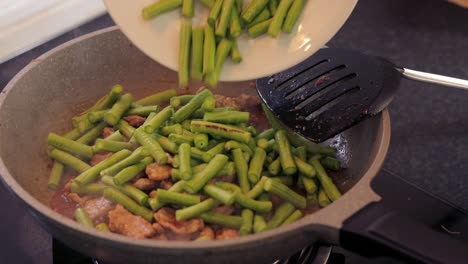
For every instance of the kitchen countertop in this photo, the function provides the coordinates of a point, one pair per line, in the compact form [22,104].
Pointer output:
[429,145]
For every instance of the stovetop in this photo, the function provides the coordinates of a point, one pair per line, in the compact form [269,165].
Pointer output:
[429,123]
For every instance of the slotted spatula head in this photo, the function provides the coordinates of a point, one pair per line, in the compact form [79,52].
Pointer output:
[329,92]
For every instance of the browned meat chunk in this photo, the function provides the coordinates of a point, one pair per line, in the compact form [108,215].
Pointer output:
[162,237]
[224,209]
[159,229]
[78,199]
[166,184]
[226,101]
[107,132]
[158,172]
[145,184]
[97,208]
[166,218]
[99,157]
[226,233]
[246,101]
[123,222]
[152,194]
[170,159]
[207,233]
[135,120]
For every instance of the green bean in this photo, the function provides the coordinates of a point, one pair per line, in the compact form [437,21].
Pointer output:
[129,173]
[326,182]
[296,215]
[157,98]
[219,194]
[278,19]
[247,222]
[228,186]
[222,51]
[304,168]
[55,175]
[188,9]
[69,145]
[259,224]
[252,145]
[253,9]
[256,165]
[228,117]
[69,160]
[220,130]
[158,120]
[195,210]
[197,154]
[92,134]
[209,50]
[177,101]
[257,189]
[200,179]
[102,227]
[197,52]
[286,180]
[84,125]
[331,163]
[166,144]
[262,143]
[132,192]
[272,6]
[208,3]
[113,116]
[81,216]
[201,141]
[153,146]
[312,199]
[242,170]
[73,134]
[266,134]
[180,139]
[209,104]
[177,198]
[155,204]
[284,149]
[309,185]
[258,206]
[160,7]
[175,129]
[293,15]
[104,102]
[141,128]
[185,168]
[323,198]
[143,110]
[120,198]
[92,188]
[225,171]
[222,220]
[125,128]
[280,215]
[224,18]
[235,27]
[209,154]
[263,16]
[259,29]
[196,102]
[92,173]
[215,11]
[275,167]
[285,193]
[184,52]
[134,158]
[96,116]
[104,145]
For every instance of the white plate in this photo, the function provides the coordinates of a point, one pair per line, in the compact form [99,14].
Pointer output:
[159,38]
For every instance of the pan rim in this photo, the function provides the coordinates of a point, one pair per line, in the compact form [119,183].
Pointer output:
[176,246]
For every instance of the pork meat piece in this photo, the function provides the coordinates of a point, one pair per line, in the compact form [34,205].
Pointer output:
[123,222]
[207,233]
[166,218]
[135,120]
[145,184]
[158,172]
[99,157]
[226,101]
[107,131]
[166,184]
[98,208]
[226,233]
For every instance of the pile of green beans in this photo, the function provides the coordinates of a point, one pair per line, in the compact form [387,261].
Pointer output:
[197,149]
[208,46]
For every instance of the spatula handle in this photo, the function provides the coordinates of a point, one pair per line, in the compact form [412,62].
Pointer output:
[434,78]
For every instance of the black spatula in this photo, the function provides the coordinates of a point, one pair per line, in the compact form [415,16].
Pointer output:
[335,89]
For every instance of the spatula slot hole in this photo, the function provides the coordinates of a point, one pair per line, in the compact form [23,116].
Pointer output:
[285,83]
[330,104]
[316,81]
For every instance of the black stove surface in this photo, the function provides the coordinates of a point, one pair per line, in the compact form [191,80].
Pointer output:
[429,122]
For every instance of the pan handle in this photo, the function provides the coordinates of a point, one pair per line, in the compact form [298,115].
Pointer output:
[378,231]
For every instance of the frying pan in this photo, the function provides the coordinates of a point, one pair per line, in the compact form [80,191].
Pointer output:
[61,83]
